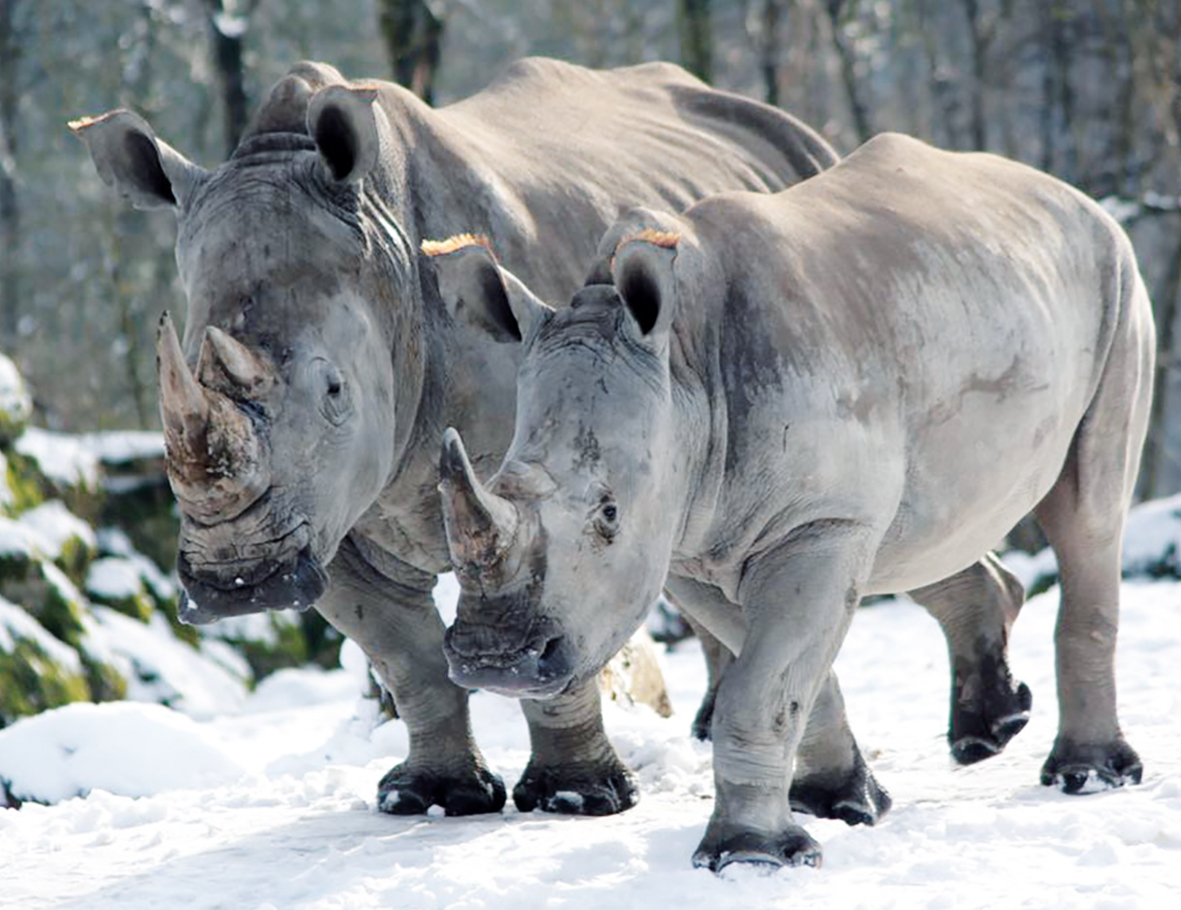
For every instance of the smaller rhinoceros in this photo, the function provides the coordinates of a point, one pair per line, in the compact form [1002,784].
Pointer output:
[854,386]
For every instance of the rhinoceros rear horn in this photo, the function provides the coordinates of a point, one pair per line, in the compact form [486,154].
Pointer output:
[228,366]
[342,120]
[481,526]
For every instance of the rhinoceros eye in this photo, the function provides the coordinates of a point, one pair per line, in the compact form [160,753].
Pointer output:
[607,518]
[336,404]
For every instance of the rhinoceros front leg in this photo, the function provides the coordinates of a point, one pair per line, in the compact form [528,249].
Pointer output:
[831,779]
[976,609]
[386,607]
[574,769]
[799,600]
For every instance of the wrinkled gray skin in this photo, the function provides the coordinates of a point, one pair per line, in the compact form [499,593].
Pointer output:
[319,367]
[851,387]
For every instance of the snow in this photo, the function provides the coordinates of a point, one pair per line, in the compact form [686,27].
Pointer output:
[15,401]
[113,577]
[121,446]
[56,524]
[115,542]
[62,457]
[16,623]
[161,668]
[270,804]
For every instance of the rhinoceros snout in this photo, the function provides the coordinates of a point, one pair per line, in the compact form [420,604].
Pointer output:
[297,585]
[541,669]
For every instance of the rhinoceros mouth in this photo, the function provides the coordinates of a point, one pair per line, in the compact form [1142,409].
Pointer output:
[274,585]
[543,669]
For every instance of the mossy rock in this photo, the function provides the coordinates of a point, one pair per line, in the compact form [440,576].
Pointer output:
[16,404]
[45,593]
[28,486]
[32,681]
[147,514]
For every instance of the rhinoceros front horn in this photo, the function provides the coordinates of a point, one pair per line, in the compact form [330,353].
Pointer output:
[215,458]
[481,526]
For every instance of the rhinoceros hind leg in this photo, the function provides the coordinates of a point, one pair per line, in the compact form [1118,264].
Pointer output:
[405,791]
[1083,517]
[574,770]
[976,609]
[856,798]
[1086,768]
[831,778]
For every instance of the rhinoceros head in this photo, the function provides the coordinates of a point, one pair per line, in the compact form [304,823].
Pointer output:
[277,405]
[566,547]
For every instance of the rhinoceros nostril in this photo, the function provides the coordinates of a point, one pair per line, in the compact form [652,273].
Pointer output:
[553,660]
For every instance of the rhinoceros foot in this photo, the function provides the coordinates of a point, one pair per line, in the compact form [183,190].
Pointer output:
[1089,767]
[576,790]
[411,791]
[855,797]
[987,710]
[726,845]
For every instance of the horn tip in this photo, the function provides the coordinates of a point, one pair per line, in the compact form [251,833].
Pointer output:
[454,457]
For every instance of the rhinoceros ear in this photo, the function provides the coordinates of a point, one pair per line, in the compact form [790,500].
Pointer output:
[643,275]
[129,157]
[342,121]
[476,289]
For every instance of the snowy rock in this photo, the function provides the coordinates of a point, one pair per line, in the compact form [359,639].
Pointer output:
[16,405]
[62,457]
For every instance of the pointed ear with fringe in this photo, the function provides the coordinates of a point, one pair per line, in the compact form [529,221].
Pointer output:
[643,275]
[129,157]
[476,290]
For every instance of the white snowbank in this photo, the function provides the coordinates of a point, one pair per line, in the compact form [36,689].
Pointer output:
[298,830]
[115,542]
[123,748]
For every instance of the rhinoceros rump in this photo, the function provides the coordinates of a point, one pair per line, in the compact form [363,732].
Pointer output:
[319,366]
[855,386]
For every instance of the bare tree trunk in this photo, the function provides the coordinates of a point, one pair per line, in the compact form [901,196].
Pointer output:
[981,37]
[838,11]
[10,216]
[766,40]
[696,31]
[1166,317]
[228,35]
[413,36]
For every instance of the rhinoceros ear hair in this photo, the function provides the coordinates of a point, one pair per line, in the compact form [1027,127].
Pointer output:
[476,290]
[342,121]
[129,157]
[643,273]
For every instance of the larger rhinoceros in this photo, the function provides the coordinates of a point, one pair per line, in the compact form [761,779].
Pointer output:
[319,367]
[855,386]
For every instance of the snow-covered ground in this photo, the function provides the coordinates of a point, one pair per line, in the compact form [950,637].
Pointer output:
[270,806]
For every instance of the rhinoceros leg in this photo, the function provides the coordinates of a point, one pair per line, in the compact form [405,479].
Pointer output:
[798,600]
[976,609]
[717,658]
[573,769]
[1083,517]
[832,779]
[386,607]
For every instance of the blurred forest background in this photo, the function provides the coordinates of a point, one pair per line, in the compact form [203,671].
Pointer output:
[1089,90]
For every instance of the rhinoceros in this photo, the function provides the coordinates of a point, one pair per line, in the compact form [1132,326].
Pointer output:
[319,366]
[854,386]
